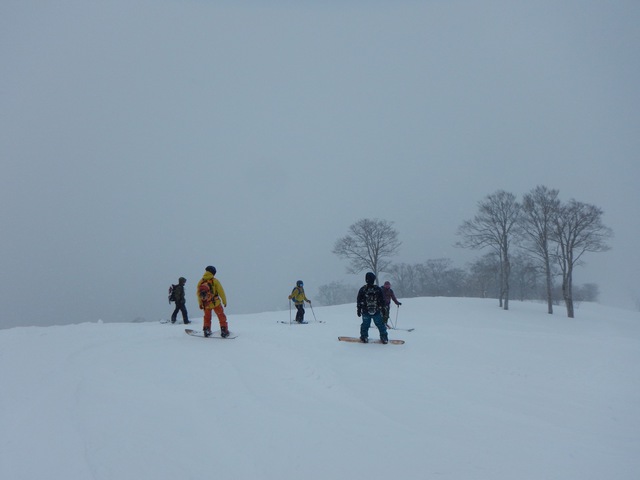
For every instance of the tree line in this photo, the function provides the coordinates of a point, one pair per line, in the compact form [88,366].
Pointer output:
[532,249]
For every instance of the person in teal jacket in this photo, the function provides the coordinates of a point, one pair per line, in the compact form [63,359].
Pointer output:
[298,298]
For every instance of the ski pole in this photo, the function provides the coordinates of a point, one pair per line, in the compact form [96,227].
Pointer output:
[289,313]
[314,313]
[397,311]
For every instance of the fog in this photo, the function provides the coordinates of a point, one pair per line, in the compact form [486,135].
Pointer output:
[141,141]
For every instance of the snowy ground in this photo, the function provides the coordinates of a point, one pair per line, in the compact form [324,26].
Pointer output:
[475,393]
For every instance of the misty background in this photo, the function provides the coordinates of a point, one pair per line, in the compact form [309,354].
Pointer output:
[141,141]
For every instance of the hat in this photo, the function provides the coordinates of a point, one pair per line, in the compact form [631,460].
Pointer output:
[370,277]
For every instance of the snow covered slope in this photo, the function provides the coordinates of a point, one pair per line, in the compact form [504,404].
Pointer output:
[475,393]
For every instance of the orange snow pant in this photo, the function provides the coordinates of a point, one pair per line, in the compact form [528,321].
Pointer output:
[222,318]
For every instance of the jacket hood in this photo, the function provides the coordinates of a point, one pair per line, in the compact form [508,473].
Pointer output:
[207,276]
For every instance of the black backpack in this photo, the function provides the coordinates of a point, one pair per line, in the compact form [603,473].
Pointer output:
[371,299]
[172,293]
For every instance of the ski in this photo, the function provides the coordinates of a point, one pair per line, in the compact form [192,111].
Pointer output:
[300,323]
[403,329]
[357,340]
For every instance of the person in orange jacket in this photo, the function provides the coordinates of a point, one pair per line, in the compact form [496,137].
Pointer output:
[211,296]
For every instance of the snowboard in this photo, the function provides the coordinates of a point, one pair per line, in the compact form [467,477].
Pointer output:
[357,340]
[216,334]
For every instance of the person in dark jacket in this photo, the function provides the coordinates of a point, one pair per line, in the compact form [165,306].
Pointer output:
[179,298]
[369,305]
[388,295]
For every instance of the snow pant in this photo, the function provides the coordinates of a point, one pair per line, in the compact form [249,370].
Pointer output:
[385,314]
[222,318]
[366,323]
[300,312]
[180,307]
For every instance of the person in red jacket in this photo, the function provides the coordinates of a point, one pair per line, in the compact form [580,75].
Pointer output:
[388,295]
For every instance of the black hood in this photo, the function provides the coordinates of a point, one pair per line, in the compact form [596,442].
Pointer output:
[370,278]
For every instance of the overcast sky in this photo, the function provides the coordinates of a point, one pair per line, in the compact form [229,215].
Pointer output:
[141,141]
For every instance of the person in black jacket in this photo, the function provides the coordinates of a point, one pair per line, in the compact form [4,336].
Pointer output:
[179,298]
[369,305]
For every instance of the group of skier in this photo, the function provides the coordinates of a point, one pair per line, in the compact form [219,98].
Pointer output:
[372,303]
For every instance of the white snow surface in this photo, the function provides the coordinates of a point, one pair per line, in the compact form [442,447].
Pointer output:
[476,392]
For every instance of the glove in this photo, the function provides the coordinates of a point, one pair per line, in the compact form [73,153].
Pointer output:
[359,313]
[399,303]
[309,302]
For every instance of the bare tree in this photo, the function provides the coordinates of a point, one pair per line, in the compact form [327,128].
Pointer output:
[337,293]
[587,292]
[495,226]
[540,208]
[578,229]
[368,246]
[484,275]
[439,278]
[435,277]
[526,274]
[455,282]
[434,273]
[404,278]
